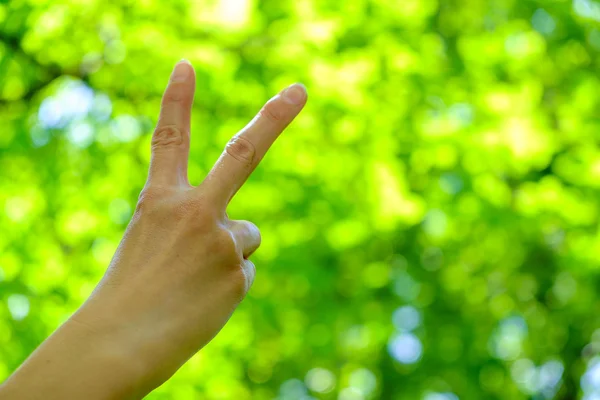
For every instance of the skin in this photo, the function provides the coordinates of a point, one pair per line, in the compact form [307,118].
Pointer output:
[178,274]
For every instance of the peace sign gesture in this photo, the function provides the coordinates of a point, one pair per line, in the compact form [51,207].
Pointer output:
[182,266]
[170,143]
[170,152]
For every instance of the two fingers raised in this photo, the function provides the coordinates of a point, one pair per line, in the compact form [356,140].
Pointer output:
[171,138]
[242,154]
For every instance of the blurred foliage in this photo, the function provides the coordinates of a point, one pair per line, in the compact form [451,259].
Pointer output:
[430,221]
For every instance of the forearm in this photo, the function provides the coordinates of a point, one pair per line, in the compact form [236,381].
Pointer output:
[77,362]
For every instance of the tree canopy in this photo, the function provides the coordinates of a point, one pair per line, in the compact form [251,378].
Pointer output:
[430,221]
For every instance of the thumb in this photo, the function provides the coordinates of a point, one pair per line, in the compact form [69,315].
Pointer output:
[171,138]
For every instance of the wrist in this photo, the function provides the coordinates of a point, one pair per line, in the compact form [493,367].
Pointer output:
[91,358]
[138,350]
[109,355]
[111,350]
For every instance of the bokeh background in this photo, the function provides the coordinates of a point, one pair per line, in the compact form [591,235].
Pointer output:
[430,221]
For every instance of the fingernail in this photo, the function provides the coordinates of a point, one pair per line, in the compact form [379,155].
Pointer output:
[181,71]
[295,94]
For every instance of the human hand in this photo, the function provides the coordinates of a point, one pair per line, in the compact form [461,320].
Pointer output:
[182,266]
[177,275]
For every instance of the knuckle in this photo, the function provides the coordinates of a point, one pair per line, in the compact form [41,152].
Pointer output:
[168,136]
[241,149]
[253,232]
[272,112]
[257,233]
[224,244]
[159,202]
[174,206]
[238,280]
[148,199]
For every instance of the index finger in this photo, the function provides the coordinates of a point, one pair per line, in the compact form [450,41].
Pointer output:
[247,148]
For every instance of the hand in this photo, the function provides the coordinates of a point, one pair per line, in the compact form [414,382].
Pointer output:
[182,266]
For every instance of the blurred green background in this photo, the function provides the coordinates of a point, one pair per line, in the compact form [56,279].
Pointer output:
[430,221]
